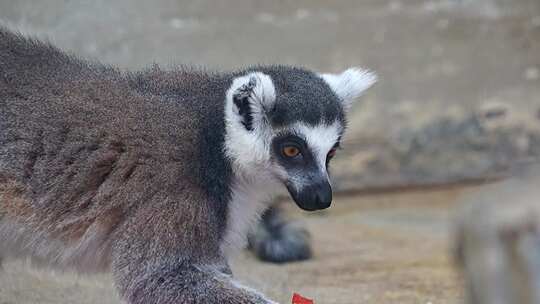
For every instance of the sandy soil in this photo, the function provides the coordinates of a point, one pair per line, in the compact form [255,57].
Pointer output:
[383,248]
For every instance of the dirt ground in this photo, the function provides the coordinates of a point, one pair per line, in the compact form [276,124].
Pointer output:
[378,248]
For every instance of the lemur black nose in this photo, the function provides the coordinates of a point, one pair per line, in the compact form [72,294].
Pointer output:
[323,195]
[312,197]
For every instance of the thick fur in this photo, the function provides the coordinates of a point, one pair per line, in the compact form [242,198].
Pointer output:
[100,169]
[135,172]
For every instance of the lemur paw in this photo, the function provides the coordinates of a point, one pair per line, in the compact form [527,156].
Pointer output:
[278,240]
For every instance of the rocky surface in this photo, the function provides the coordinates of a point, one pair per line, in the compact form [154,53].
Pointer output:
[376,249]
[459,90]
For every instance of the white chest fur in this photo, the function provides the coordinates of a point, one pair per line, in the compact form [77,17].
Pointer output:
[250,198]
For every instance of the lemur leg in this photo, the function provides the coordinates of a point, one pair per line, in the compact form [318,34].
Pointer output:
[277,239]
[163,256]
[186,282]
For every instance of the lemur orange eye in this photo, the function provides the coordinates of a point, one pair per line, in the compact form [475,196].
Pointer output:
[291,151]
[332,153]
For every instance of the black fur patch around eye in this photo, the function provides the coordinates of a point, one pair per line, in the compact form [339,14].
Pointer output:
[241,100]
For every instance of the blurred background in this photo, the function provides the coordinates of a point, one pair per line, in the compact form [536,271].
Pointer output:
[458,102]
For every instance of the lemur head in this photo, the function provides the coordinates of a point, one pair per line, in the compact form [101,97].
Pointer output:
[285,124]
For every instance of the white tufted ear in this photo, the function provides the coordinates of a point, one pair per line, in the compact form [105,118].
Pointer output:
[248,100]
[350,84]
[250,97]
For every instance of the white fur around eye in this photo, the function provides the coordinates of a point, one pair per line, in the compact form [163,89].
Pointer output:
[320,139]
[350,84]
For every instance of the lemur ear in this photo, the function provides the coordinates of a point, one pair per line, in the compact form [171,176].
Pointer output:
[350,84]
[250,97]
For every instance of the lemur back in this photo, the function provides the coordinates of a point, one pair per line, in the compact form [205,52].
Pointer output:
[78,138]
[152,174]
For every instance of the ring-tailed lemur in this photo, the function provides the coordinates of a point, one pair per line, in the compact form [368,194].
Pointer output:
[157,175]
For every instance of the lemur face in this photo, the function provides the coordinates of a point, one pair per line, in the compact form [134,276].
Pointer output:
[304,153]
[285,124]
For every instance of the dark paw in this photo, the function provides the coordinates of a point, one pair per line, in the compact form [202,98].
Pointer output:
[278,240]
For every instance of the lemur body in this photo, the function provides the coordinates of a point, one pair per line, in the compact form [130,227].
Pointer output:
[157,175]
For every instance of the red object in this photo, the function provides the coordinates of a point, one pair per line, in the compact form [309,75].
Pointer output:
[298,299]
